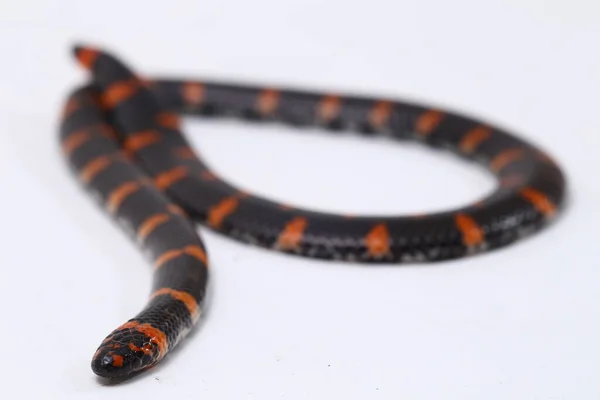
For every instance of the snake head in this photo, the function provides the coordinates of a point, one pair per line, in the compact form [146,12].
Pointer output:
[131,348]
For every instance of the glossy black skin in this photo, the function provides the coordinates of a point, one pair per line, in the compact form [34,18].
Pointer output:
[503,217]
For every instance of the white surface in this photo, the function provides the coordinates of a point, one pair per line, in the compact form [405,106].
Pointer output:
[521,323]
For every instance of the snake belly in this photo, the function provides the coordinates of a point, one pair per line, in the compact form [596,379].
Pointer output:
[120,134]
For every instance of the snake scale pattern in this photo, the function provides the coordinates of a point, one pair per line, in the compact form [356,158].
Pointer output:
[120,134]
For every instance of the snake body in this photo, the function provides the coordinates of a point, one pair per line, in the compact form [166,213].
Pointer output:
[121,136]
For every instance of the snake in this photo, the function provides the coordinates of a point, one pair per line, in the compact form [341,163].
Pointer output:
[121,136]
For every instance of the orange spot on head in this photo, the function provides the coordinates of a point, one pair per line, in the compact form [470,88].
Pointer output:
[428,121]
[472,234]
[146,349]
[118,196]
[151,223]
[75,140]
[267,101]
[117,360]
[168,120]
[119,92]
[221,210]
[87,57]
[184,297]
[329,108]
[380,113]
[378,241]
[473,138]
[168,178]
[505,158]
[193,93]
[292,234]
[540,201]
[155,335]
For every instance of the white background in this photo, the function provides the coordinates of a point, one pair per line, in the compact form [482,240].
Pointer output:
[521,323]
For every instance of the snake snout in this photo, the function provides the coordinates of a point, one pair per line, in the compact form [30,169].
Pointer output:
[124,352]
[116,363]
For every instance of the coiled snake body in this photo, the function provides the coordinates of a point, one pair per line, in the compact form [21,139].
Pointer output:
[121,136]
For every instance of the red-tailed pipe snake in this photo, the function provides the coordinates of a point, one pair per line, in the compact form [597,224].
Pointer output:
[120,134]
